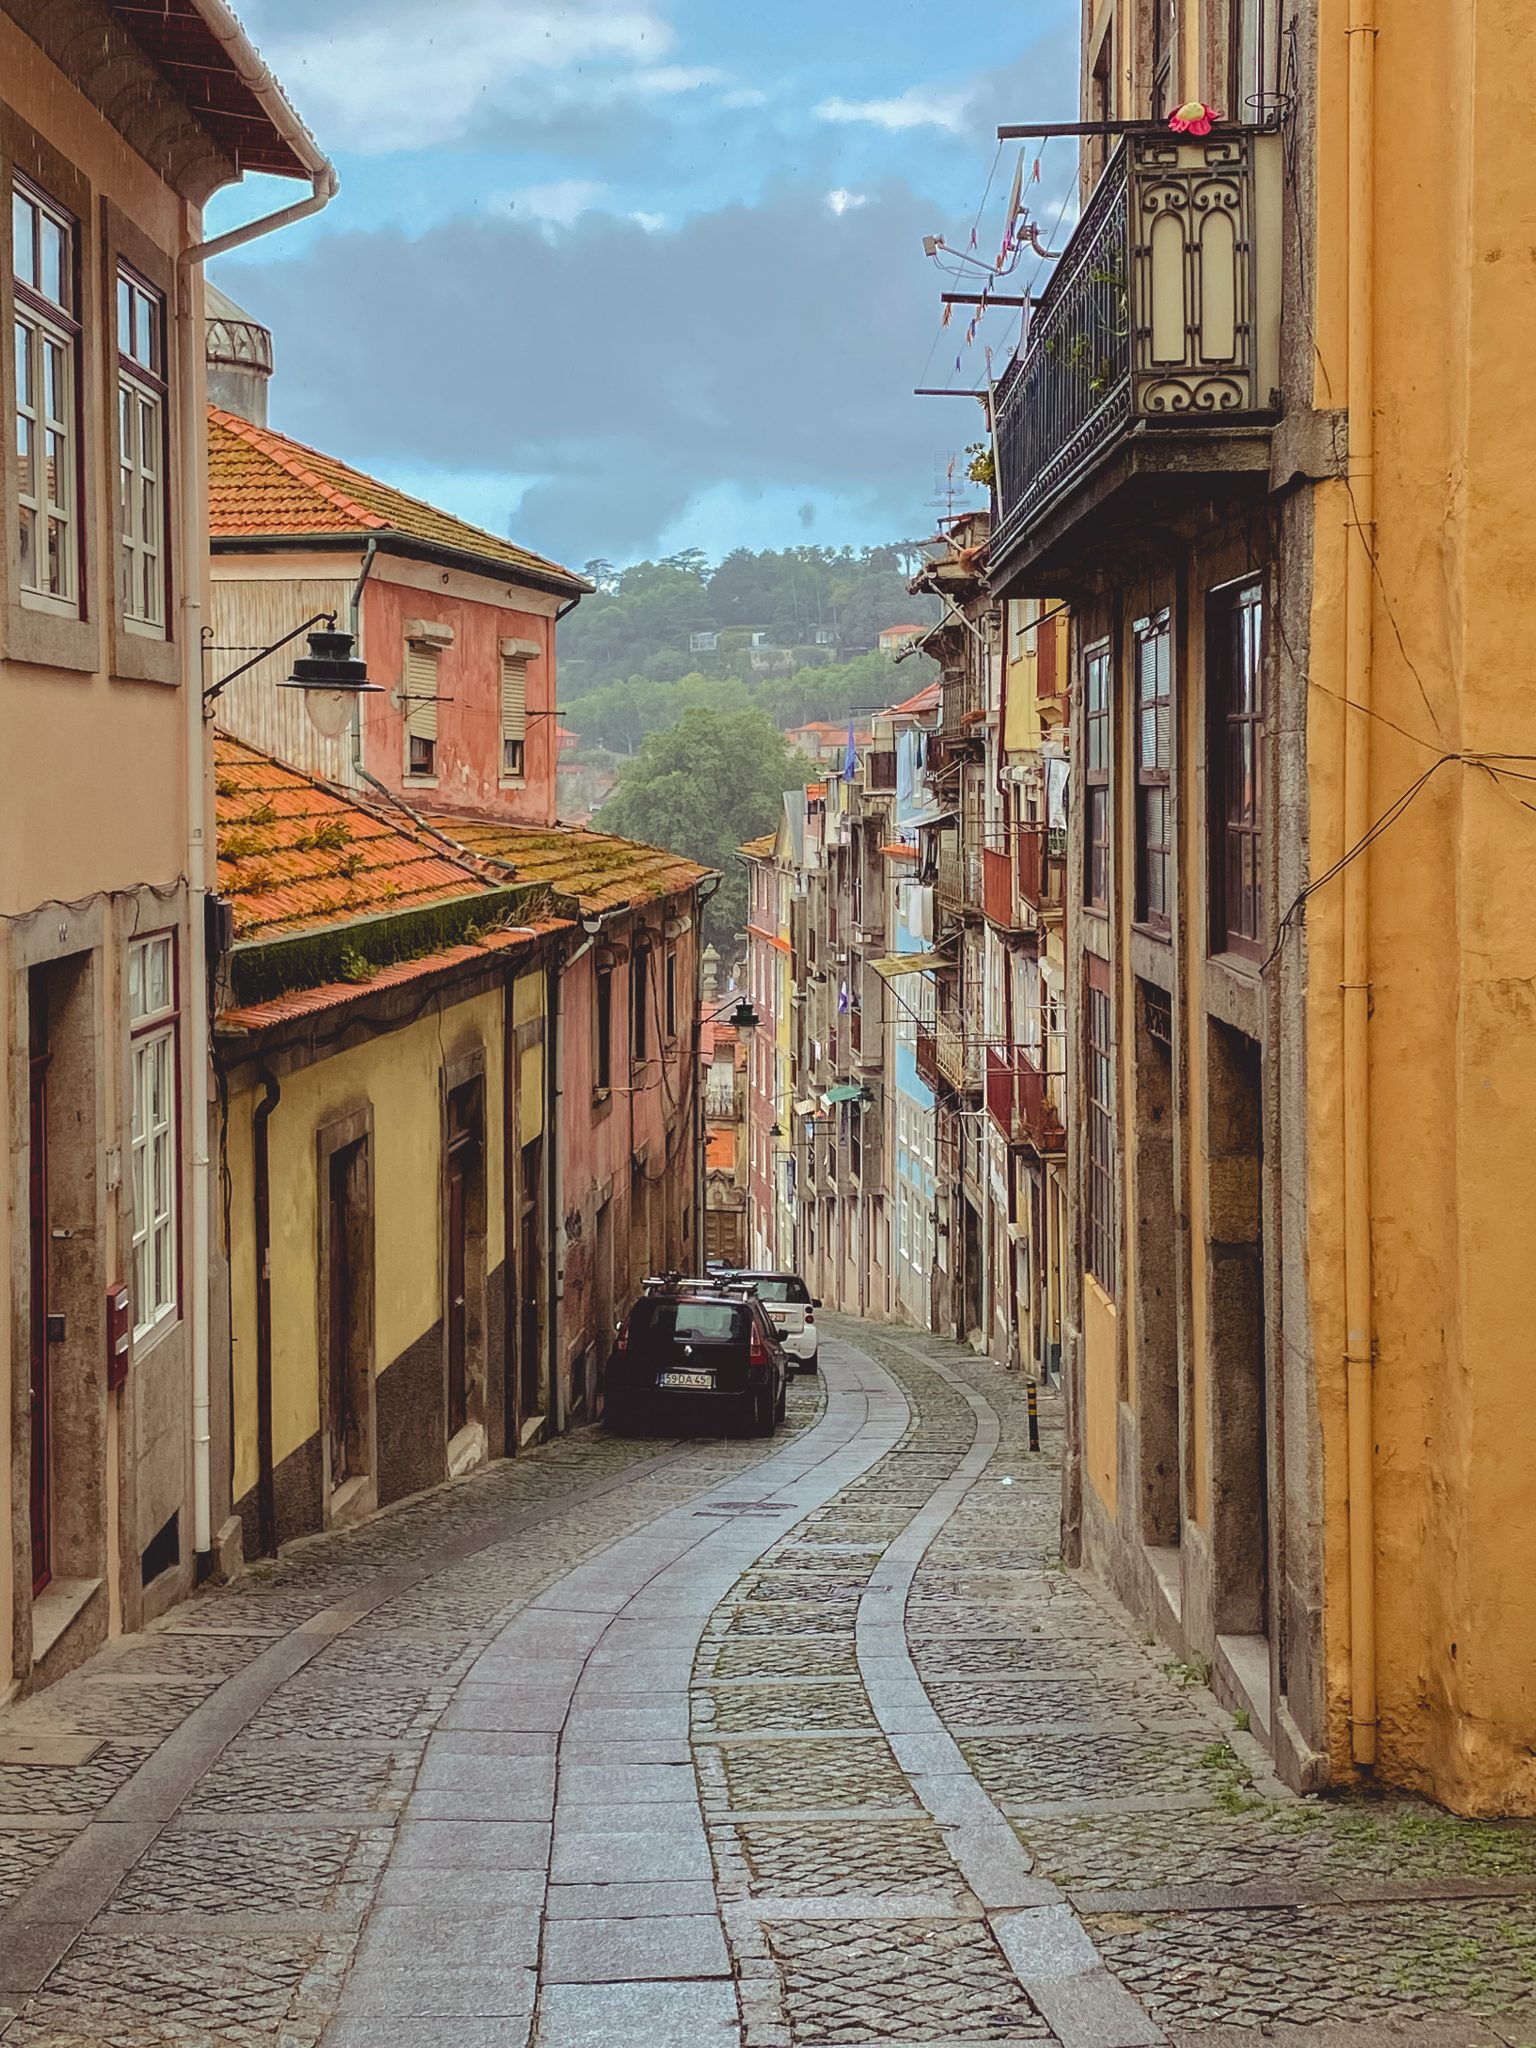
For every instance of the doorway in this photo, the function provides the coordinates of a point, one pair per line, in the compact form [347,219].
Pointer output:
[348,1301]
[530,1276]
[1239,1391]
[464,1212]
[40,1401]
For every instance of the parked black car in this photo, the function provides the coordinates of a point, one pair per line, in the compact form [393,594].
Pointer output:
[694,1347]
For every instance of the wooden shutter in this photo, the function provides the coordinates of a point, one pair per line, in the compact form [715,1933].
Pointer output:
[420,691]
[514,696]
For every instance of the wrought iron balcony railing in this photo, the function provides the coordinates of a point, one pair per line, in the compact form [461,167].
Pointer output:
[1163,311]
[1043,869]
[1020,1101]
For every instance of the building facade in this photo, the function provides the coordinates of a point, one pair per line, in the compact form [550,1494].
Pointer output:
[116,126]
[1271,469]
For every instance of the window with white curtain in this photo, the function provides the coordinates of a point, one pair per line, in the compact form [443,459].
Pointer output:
[152,1024]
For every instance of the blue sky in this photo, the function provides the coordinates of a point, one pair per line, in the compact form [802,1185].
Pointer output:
[620,276]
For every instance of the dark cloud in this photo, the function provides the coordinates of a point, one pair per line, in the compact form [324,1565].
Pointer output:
[766,347]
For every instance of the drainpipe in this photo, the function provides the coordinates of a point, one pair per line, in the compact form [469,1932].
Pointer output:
[266,1505]
[1356,992]
[194,556]
[355,621]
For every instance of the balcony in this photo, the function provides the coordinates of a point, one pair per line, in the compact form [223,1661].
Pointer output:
[997,891]
[1020,1104]
[958,884]
[958,1053]
[1043,870]
[1153,356]
[927,1055]
[962,708]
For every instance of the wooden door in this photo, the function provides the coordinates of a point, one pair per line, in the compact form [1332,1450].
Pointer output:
[339,1284]
[530,1271]
[37,1207]
[458,1363]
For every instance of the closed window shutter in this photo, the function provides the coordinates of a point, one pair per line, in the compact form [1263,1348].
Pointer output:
[421,691]
[514,696]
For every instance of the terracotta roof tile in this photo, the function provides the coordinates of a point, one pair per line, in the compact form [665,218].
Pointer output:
[759,849]
[309,1002]
[599,870]
[263,485]
[925,699]
[296,855]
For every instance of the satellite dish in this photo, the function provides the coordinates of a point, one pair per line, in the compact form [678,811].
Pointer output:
[1016,195]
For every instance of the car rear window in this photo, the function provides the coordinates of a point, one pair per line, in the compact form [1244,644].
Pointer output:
[781,1290]
[703,1322]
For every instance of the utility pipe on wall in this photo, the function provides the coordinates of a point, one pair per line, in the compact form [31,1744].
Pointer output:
[194,554]
[1359,652]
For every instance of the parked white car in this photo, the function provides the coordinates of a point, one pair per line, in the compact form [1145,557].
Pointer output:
[792,1309]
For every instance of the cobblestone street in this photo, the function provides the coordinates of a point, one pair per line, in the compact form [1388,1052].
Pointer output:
[694,1744]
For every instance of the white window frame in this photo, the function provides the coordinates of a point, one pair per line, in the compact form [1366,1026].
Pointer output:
[512,760]
[154,1025]
[142,512]
[46,331]
[419,691]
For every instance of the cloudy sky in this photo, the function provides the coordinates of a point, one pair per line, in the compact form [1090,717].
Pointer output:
[622,277]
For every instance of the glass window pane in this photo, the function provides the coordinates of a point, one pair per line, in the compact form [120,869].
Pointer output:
[23,239]
[125,316]
[54,283]
[25,394]
[159,990]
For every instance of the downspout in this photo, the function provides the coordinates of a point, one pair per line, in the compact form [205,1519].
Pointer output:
[355,621]
[266,1501]
[1359,1343]
[194,559]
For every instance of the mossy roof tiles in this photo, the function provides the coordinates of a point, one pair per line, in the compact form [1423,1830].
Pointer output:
[264,486]
[600,871]
[295,854]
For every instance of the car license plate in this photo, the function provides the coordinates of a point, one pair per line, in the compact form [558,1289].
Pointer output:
[685,1379]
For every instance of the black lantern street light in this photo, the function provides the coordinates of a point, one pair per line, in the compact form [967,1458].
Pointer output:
[332,681]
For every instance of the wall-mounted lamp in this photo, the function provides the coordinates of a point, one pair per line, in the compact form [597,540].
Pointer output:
[332,682]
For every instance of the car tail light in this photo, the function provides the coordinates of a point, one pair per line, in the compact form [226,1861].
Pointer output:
[757,1352]
[621,1340]
[810,1317]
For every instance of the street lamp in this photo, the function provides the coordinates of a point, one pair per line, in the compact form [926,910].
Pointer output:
[331,680]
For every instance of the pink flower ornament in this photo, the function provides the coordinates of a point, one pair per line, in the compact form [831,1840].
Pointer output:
[1193,118]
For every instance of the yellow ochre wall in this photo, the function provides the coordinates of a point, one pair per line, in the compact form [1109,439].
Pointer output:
[1452,932]
[398,1074]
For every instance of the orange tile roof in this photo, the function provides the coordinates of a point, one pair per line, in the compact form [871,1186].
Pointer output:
[309,1002]
[295,854]
[600,871]
[815,789]
[896,850]
[759,849]
[925,699]
[261,486]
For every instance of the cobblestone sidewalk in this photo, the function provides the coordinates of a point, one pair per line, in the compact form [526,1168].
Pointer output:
[718,1746]
[193,1826]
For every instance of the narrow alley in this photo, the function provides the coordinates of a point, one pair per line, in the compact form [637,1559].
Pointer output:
[689,1744]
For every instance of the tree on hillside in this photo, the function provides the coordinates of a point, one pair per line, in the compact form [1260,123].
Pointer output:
[703,787]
